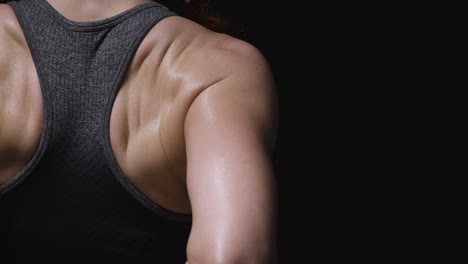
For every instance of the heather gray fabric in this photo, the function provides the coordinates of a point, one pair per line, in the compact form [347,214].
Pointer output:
[72,199]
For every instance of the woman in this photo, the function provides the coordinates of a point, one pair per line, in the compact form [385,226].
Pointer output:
[130,134]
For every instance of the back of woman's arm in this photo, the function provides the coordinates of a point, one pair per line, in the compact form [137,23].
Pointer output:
[230,131]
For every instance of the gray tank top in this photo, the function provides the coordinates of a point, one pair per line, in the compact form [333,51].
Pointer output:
[72,202]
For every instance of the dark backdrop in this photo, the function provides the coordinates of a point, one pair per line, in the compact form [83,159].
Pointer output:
[363,126]
[359,153]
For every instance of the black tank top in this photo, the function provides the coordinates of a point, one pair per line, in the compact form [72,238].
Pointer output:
[72,203]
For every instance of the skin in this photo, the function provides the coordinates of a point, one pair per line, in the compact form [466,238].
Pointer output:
[193,127]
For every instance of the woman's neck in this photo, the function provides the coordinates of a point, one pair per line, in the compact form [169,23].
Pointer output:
[92,10]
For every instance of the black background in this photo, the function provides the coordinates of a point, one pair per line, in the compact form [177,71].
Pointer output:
[368,113]
[365,128]
[362,125]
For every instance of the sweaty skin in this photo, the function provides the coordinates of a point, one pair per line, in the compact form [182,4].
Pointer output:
[193,127]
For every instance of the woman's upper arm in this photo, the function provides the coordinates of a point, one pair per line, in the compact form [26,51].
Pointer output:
[230,130]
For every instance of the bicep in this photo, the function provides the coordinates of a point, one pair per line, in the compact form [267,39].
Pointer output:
[229,132]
